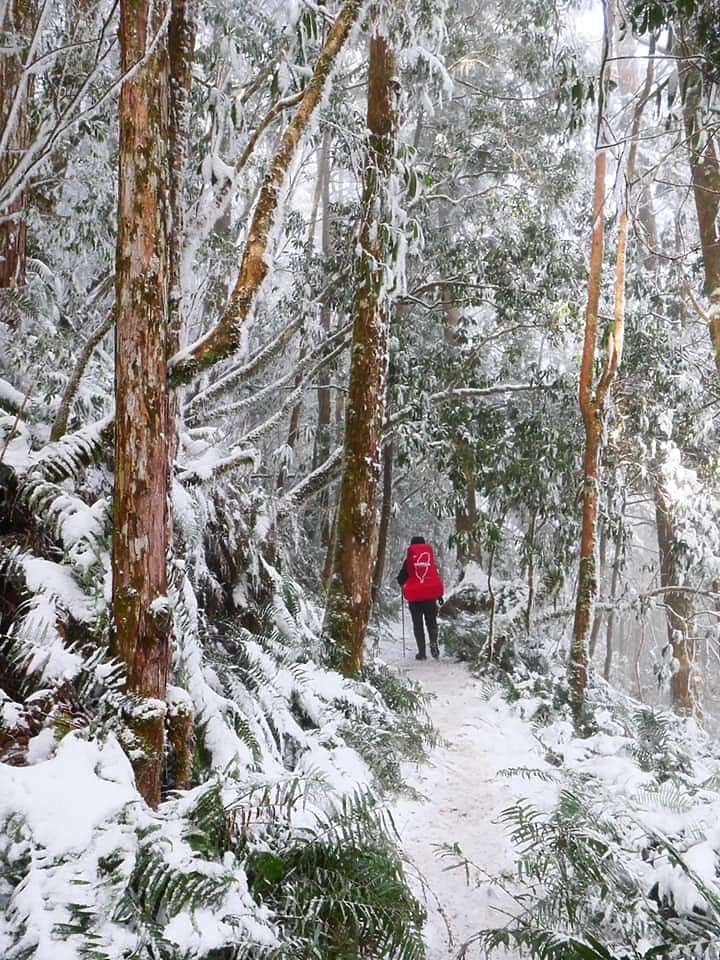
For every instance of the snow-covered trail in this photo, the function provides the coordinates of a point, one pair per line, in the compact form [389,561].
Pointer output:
[463,796]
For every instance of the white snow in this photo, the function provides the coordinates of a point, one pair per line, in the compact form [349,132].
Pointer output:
[462,797]
[64,799]
[76,801]
[464,790]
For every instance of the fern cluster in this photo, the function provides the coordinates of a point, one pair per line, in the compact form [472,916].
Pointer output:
[596,878]
[278,850]
[338,889]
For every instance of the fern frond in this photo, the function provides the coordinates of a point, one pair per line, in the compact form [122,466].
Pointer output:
[159,889]
[81,529]
[667,796]
[12,569]
[74,453]
[529,773]
[340,886]
[655,745]
[541,945]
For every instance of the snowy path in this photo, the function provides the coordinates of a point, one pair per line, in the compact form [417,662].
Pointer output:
[463,796]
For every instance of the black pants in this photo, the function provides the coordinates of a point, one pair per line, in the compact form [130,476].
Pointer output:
[424,613]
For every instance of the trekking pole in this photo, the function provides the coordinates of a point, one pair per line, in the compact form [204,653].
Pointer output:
[402,607]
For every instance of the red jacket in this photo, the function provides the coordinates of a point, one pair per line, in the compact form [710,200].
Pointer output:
[419,577]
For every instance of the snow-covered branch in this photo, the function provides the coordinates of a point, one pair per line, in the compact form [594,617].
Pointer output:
[63,412]
[225,337]
[435,399]
[305,369]
[243,371]
[311,484]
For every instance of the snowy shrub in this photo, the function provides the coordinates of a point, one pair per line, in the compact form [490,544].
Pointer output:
[480,619]
[276,835]
[620,858]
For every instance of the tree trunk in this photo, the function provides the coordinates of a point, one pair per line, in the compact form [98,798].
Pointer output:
[181,49]
[679,608]
[610,628]
[705,170]
[493,599]
[385,514]
[587,577]
[15,93]
[466,513]
[530,554]
[592,399]
[143,431]
[324,400]
[598,614]
[349,599]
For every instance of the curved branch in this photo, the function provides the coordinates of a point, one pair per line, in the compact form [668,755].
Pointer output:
[225,337]
[255,364]
[300,373]
[311,484]
[59,427]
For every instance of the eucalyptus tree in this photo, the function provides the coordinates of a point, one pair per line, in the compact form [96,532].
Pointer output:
[142,526]
[594,390]
[356,533]
[16,86]
[142,523]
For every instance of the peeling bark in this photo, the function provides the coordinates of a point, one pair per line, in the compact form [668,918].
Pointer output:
[349,600]
[592,397]
[15,94]
[143,429]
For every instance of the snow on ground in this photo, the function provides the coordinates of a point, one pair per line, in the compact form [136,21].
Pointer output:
[463,796]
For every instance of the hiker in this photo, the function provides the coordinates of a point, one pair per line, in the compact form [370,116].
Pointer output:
[423,589]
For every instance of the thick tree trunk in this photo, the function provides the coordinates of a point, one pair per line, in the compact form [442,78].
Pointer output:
[15,94]
[349,599]
[143,431]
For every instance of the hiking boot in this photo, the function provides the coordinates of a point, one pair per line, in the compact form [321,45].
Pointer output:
[420,656]
[434,648]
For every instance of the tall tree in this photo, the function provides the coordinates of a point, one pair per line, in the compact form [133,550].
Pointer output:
[143,429]
[16,83]
[698,82]
[349,598]
[592,394]
[147,309]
